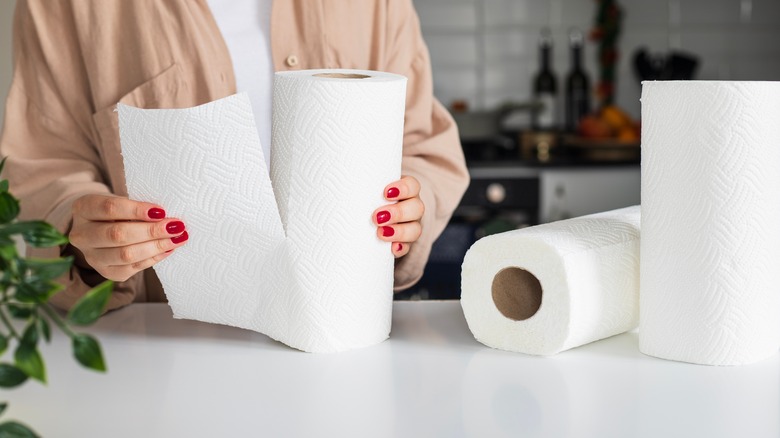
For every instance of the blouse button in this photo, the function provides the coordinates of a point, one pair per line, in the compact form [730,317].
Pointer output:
[292,61]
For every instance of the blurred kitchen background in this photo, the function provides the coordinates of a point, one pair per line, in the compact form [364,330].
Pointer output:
[528,164]
[486,61]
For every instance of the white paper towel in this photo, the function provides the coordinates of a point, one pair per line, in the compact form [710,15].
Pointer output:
[310,273]
[587,270]
[710,221]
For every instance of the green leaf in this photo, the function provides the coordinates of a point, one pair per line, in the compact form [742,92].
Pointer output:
[36,233]
[89,308]
[36,291]
[48,269]
[29,360]
[45,329]
[3,344]
[12,429]
[21,227]
[9,208]
[8,249]
[10,376]
[30,335]
[4,185]
[44,236]
[2,164]
[3,405]
[87,352]
[19,312]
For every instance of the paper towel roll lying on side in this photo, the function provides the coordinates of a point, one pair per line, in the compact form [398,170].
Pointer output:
[710,221]
[312,273]
[545,289]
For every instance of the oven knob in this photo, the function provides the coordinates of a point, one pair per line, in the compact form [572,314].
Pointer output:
[495,193]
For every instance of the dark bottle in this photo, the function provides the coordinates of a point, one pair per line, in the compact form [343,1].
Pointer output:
[545,86]
[577,85]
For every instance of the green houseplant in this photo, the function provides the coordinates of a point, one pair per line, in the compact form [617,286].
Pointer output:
[26,285]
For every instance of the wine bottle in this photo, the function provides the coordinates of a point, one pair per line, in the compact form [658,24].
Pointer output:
[577,85]
[545,86]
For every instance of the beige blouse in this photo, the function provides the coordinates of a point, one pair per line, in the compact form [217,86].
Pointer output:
[74,60]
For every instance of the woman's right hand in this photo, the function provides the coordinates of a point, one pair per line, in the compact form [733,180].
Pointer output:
[118,237]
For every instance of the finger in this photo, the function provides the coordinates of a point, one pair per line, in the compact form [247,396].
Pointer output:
[115,208]
[406,232]
[123,272]
[400,249]
[123,233]
[131,254]
[405,211]
[405,188]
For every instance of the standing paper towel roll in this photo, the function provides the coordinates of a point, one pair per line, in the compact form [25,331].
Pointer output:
[311,272]
[710,221]
[548,288]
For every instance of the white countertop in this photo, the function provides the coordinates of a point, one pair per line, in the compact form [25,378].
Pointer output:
[171,378]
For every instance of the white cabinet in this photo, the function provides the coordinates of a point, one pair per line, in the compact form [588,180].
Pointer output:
[571,192]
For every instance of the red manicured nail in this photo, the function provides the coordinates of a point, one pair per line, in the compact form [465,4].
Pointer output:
[393,192]
[388,231]
[400,247]
[175,227]
[179,239]
[382,217]
[156,213]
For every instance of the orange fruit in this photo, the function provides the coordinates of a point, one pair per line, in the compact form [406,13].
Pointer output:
[592,126]
[616,118]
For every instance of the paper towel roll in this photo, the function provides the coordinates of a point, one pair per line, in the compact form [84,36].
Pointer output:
[311,272]
[710,221]
[548,288]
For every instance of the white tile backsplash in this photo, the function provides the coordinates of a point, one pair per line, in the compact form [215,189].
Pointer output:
[450,15]
[449,50]
[578,13]
[509,13]
[765,12]
[644,13]
[513,44]
[696,12]
[766,69]
[485,51]
[511,76]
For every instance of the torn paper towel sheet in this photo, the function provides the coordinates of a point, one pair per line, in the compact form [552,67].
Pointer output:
[710,221]
[295,255]
[545,289]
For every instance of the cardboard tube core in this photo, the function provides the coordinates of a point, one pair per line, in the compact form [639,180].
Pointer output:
[341,75]
[517,293]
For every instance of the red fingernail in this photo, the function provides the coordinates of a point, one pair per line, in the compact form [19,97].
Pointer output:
[400,247]
[393,192]
[156,213]
[388,231]
[382,217]
[179,239]
[175,227]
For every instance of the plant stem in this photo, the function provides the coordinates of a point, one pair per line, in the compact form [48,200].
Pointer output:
[8,324]
[57,320]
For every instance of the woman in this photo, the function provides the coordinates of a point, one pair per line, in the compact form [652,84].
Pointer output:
[74,60]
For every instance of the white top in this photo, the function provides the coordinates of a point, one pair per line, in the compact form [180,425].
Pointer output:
[246,28]
[178,378]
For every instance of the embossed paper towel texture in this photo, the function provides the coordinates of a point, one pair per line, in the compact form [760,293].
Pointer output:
[303,264]
[710,221]
[588,269]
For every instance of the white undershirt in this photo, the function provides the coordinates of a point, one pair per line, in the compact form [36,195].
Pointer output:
[246,29]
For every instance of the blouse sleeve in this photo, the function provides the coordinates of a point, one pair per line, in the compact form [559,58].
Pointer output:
[49,137]
[432,149]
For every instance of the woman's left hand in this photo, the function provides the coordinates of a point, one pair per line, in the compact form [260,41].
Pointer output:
[399,223]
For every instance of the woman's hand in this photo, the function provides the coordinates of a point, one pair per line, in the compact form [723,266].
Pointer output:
[118,237]
[399,223]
